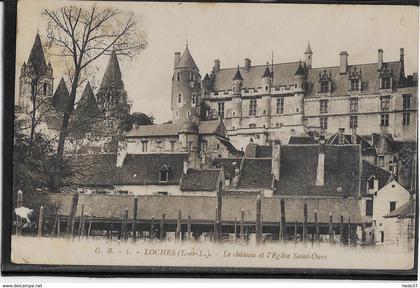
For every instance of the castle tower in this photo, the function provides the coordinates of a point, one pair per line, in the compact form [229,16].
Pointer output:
[266,82]
[237,99]
[299,93]
[112,97]
[308,56]
[186,88]
[36,80]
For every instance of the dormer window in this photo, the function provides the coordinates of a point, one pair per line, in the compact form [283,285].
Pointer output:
[191,76]
[355,80]
[324,82]
[164,173]
[178,76]
[385,78]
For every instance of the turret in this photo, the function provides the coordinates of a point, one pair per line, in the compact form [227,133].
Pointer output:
[186,88]
[237,99]
[308,56]
[299,93]
[188,136]
[266,81]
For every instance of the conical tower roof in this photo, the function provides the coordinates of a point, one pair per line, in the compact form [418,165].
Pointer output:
[308,49]
[87,104]
[267,73]
[238,75]
[37,58]
[112,78]
[61,96]
[186,60]
[300,71]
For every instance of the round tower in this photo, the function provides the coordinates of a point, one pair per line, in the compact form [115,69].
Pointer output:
[299,93]
[188,136]
[266,82]
[237,99]
[186,85]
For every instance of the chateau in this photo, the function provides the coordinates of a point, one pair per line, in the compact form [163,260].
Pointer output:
[268,102]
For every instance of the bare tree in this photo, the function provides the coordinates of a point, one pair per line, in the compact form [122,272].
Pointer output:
[82,35]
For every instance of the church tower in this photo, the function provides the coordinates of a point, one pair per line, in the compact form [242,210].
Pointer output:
[36,79]
[186,88]
[112,97]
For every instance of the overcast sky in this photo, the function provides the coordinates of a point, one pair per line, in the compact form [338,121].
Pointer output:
[232,32]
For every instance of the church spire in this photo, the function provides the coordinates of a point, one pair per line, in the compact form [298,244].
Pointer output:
[37,58]
[61,96]
[87,104]
[112,78]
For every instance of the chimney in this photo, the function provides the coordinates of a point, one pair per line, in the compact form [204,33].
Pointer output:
[341,139]
[247,64]
[185,167]
[380,59]
[177,57]
[321,163]
[402,54]
[275,159]
[343,62]
[216,66]
[353,136]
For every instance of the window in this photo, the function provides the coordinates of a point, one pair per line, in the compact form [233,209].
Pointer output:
[252,107]
[280,105]
[371,183]
[162,193]
[354,104]
[191,76]
[369,207]
[266,88]
[406,119]
[406,101]
[392,206]
[386,83]
[221,109]
[385,120]
[45,88]
[354,84]
[178,76]
[144,146]
[158,145]
[323,123]
[172,146]
[193,99]
[323,106]
[252,125]
[163,175]
[381,161]
[353,121]
[179,97]
[325,87]
[385,103]
[190,145]
[203,145]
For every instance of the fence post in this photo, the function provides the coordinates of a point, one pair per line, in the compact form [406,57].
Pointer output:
[305,221]
[72,214]
[18,219]
[54,226]
[341,229]
[162,228]
[90,222]
[125,230]
[40,221]
[241,228]
[316,226]
[152,224]
[219,211]
[258,220]
[134,228]
[330,227]
[189,227]
[235,231]
[295,232]
[82,212]
[215,238]
[282,221]
[178,233]
[58,227]
[349,232]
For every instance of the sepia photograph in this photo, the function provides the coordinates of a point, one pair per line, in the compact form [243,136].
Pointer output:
[226,136]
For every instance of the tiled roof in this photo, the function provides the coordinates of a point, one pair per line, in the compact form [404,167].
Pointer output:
[112,77]
[200,180]
[301,140]
[408,210]
[284,75]
[263,151]
[202,208]
[256,173]
[171,129]
[186,60]
[369,170]
[61,96]
[298,170]
[139,169]
[367,148]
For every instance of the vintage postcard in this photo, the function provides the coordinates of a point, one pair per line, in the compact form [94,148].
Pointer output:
[227,135]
